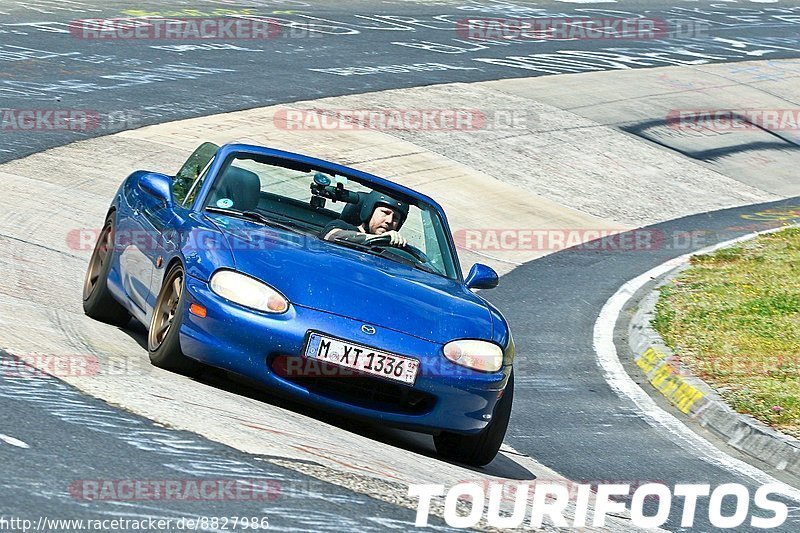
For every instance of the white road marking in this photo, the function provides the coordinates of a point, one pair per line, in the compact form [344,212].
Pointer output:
[12,441]
[624,386]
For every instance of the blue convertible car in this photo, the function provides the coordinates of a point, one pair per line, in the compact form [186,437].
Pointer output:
[226,265]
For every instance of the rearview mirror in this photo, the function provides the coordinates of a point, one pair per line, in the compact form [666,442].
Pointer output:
[159,186]
[481,277]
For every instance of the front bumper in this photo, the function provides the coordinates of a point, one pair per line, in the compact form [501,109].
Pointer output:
[445,396]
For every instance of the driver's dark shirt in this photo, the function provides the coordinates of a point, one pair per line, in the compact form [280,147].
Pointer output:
[337,224]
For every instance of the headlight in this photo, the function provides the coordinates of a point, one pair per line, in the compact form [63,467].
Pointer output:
[248,292]
[475,354]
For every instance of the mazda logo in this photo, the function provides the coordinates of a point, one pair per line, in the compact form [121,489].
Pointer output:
[369,330]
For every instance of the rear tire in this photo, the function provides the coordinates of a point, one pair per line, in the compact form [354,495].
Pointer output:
[163,336]
[98,303]
[480,449]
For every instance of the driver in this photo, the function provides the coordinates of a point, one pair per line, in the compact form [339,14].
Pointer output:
[380,215]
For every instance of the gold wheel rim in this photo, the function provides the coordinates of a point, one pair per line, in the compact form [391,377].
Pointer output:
[99,258]
[165,310]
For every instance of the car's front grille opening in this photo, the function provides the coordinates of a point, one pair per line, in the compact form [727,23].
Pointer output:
[366,391]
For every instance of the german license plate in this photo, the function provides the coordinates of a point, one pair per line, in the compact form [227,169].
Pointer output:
[362,358]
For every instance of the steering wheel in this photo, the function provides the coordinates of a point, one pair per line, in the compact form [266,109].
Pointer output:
[413,251]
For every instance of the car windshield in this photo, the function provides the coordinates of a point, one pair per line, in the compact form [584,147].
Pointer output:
[306,199]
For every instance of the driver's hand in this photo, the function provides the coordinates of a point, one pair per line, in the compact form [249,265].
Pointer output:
[395,238]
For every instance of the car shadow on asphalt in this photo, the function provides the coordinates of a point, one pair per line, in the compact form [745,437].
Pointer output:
[137,332]
[503,466]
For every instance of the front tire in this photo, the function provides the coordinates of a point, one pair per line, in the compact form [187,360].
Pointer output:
[98,303]
[480,449]
[163,336]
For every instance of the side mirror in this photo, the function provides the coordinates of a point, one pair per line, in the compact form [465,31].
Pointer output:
[481,277]
[159,186]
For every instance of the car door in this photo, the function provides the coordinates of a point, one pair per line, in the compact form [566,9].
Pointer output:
[158,224]
[135,242]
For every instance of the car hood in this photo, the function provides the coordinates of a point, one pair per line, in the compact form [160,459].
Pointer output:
[332,278]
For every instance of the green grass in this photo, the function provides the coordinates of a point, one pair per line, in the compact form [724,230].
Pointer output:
[734,318]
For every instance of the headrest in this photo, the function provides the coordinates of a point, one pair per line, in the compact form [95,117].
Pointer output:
[352,212]
[239,186]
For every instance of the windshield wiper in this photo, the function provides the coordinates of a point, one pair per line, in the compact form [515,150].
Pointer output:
[254,216]
[371,248]
[385,252]
[426,268]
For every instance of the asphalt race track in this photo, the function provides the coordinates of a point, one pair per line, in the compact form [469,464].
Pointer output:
[69,441]
[566,416]
[363,48]
[570,418]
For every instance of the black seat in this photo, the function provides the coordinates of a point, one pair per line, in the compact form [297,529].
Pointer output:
[352,212]
[240,186]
